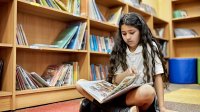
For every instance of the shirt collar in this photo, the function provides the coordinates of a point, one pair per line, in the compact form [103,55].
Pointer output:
[137,50]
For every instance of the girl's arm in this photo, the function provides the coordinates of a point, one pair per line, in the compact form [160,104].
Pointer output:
[119,77]
[158,84]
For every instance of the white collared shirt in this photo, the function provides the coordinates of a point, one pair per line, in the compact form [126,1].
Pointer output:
[135,59]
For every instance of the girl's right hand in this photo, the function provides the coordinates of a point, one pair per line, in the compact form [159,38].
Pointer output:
[131,71]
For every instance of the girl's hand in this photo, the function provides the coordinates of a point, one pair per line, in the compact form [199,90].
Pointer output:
[131,71]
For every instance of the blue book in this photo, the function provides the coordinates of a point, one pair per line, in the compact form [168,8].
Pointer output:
[91,43]
[95,43]
[93,71]
[65,36]
[74,41]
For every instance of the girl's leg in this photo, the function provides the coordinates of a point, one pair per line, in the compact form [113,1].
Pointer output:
[142,97]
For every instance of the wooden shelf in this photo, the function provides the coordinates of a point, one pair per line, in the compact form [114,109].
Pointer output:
[23,100]
[185,19]
[99,53]
[182,1]
[5,45]
[160,38]
[28,7]
[110,3]
[186,38]
[46,89]
[158,20]
[4,93]
[102,25]
[51,49]
[134,9]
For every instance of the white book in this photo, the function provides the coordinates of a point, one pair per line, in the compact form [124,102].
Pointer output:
[104,91]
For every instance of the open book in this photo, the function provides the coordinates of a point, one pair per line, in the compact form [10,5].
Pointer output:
[104,91]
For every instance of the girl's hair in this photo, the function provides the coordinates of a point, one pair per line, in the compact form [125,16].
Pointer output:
[118,55]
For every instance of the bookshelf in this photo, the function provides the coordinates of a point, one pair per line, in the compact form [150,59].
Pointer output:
[7,54]
[190,45]
[42,25]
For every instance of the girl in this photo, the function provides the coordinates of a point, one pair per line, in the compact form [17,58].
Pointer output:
[136,52]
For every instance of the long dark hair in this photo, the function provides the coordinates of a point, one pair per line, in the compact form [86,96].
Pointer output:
[118,55]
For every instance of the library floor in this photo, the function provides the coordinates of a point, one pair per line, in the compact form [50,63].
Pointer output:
[182,98]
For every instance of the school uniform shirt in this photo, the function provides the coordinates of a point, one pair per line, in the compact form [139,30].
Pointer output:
[135,59]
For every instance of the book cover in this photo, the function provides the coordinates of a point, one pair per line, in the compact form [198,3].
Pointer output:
[66,36]
[104,91]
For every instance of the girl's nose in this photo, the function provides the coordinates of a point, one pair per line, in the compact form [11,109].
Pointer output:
[128,37]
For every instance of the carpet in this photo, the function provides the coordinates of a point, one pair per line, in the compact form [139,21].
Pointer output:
[66,106]
[182,107]
[188,96]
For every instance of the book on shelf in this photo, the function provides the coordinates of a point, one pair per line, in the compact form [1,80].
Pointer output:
[21,36]
[104,91]
[66,35]
[179,14]
[134,3]
[114,15]
[37,46]
[61,74]
[77,39]
[94,11]
[1,72]
[149,9]
[61,5]
[26,80]
[98,72]
[72,6]
[101,44]
[159,32]
[184,33]
[163,44]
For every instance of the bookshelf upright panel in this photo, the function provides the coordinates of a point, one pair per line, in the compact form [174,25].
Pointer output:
[6,54]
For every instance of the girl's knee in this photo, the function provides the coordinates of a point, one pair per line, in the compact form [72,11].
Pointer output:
[147,92]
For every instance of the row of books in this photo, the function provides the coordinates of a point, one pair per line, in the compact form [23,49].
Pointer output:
[54,75]
[112,16]
[142,6]
[21,37]
[184,33]
[1,72]
[164,48]
[71,6]
[179,13]
[98,72]
[101,44]
[73,37]
[159,32]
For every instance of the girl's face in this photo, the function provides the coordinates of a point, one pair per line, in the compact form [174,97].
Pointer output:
[131,36]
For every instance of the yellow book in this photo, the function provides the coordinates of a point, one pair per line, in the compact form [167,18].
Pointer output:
[61,5]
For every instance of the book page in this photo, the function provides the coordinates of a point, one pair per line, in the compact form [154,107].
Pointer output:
[98,89]
[124,83]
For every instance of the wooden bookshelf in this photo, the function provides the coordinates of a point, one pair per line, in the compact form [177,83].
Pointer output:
[7,53]
[42,25]
[190,45]
[102,25]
